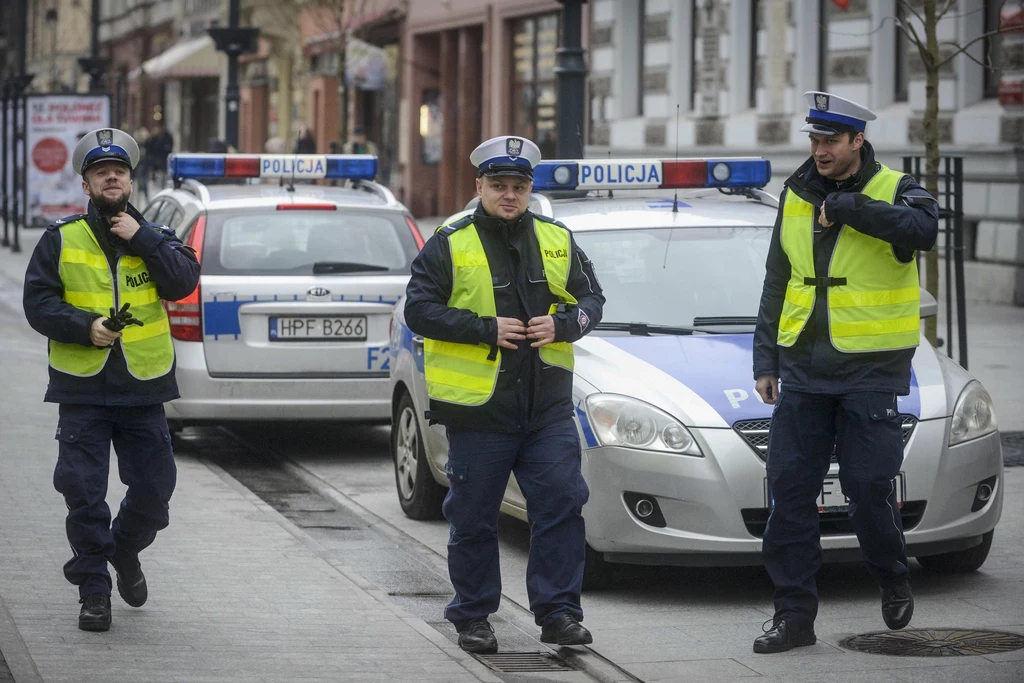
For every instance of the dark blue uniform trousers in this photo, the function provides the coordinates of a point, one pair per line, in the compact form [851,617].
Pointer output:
[547,467]
[865,429]
[145,464]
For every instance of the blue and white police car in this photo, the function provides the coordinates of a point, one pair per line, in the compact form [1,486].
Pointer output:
[290,319]
[674,436]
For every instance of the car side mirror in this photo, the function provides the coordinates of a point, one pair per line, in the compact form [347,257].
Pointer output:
[929,306]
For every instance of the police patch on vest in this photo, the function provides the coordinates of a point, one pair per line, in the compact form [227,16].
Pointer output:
[583,319]
[556,253]
[137,280]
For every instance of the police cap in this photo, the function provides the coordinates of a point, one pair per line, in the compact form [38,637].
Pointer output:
[506,155]
[105,144]
[831,114]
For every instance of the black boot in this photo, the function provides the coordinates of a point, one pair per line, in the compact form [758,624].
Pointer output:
[131,582]
[785,634]
[95,614]
[897,606]
[566,630]
[477,636]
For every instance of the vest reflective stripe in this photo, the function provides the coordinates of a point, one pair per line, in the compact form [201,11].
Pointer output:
[462,373]
[86,276]
[879,307]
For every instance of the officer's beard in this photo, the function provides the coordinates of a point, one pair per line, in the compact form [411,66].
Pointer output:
[110,207]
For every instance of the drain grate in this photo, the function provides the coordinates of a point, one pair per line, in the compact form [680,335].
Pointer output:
[935,642]
[524,662]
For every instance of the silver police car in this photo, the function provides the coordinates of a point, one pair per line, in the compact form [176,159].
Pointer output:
[290,319]
[674,436]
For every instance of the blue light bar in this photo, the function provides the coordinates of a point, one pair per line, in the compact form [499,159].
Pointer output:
[288,166]
[651,174]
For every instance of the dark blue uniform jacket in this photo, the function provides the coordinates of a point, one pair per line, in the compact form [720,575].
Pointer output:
[173,268]
[812,364]
[530,395]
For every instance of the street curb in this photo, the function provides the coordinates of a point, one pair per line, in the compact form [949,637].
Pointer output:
[467,662]
[16,654]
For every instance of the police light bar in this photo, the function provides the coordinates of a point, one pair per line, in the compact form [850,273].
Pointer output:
[304,166]
[639,174]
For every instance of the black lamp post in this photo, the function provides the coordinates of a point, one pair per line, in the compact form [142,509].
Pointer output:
[94,64]
[233,41]
[4,170]
[20,85]
[571,72]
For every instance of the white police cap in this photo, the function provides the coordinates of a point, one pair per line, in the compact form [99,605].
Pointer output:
[506,155]
[832,114]
[105,144]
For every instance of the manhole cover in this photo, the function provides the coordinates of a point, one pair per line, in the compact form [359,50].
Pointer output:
[524,662]
[935,642]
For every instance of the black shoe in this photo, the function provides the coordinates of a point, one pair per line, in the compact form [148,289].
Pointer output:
[131,582]
[566,630]
[477,636]
[897,606]
[785,634]
[95,614]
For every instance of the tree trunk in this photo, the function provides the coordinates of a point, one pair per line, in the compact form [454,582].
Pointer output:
[931,151]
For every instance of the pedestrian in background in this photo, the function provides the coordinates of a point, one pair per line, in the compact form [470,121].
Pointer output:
[158,148]
[142,170]
[110,383]
[838,324]
[500,296]
[305,143]
[359,144]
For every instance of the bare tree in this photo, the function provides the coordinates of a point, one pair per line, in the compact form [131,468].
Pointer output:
[934,54]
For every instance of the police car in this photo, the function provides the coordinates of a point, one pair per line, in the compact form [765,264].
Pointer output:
[290,319]
[674,436]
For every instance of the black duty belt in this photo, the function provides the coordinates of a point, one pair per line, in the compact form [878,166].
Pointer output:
[825,281]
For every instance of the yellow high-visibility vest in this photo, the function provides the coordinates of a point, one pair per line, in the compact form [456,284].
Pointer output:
[466,374]
[874,299]
[88,285]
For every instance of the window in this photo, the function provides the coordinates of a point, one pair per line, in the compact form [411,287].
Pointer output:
[902,54]
[993,48]
[534,92]
[153,210]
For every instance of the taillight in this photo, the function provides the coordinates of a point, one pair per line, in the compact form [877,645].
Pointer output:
[185,315]
[415,230]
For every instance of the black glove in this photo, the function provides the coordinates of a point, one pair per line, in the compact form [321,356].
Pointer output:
[121,319]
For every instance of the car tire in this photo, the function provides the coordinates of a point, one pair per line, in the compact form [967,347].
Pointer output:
[596,571]
[959,561]
[418,493]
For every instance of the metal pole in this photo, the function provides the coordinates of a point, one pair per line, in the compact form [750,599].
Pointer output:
[96,76]
[18,179]
[3,164]
[231,90]
[948,237]
[571,72]
[958,241]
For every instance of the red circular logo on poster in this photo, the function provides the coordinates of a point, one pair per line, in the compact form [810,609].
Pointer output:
[49,155]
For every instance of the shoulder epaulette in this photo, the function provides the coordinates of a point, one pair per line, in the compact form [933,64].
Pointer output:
[547,219]
[456,225]
[67,219]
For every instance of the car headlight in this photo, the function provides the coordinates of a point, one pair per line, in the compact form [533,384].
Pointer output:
[623,421]
[973,416]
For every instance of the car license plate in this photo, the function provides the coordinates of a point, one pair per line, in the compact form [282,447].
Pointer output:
[318,328]
[831,498]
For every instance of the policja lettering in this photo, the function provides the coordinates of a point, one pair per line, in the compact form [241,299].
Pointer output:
[556,253]
[619,173]
[293,166]
[137,280]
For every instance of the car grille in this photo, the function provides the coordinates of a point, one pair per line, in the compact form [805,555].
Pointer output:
[755,433]
[832,523]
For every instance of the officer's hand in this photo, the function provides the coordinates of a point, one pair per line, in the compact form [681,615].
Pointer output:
[510,330]
[821,217]
[767,387]
[542,329]
[124,226]
[101,336]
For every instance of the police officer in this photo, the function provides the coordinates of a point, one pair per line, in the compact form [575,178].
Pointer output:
[838,325]
[500,295]
[110,382]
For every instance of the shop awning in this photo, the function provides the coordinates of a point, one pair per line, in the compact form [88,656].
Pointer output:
[195,58]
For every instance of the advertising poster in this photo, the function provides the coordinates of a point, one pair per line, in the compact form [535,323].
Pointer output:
[54,125]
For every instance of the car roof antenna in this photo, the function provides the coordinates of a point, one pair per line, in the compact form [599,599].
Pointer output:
[675,198]
[610,194]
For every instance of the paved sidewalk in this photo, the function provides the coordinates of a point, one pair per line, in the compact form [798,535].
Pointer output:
[237,592]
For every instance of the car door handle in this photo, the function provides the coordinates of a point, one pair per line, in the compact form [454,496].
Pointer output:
[417,340]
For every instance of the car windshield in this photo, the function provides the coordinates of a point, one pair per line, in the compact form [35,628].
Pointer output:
[673,276]
[271,242]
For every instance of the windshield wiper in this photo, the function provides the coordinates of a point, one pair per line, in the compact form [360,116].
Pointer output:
[344,267]
[725,320]
[643,329]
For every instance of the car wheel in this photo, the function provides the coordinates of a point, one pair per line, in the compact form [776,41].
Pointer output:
[596,571]
[418,493]
[959,561]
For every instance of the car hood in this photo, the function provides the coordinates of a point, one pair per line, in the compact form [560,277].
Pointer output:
[706,380]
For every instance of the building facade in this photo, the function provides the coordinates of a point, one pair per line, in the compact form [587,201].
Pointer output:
[736,70]
[58,34]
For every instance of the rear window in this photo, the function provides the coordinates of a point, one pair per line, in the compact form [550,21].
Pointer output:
[270,242]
